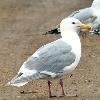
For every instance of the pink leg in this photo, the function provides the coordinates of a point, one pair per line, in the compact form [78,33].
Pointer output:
[61,83]
[49,85]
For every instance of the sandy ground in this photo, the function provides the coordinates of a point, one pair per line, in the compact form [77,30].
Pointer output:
[22,23]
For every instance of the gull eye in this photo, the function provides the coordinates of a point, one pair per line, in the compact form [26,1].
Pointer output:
[73,22]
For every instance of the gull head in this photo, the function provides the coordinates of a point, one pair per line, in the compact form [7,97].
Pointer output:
[70,25]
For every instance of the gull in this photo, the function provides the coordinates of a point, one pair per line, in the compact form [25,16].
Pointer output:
[90,15]
[54,59]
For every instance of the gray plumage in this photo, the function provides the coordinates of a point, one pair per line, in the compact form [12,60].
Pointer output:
[83,14]
[51,58]
[87,16]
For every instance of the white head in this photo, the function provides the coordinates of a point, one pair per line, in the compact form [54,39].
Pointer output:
[96,4]
[72,25]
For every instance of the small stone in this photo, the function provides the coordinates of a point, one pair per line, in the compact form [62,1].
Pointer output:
[22,92]
[89,80]
[75,90]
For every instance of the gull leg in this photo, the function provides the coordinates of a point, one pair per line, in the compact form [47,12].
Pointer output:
[49,85]
[61,83]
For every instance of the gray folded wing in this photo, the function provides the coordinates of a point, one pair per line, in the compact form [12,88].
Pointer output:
[52,57]
[83,15]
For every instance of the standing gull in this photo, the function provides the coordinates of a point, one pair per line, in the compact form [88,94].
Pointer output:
[55,59]
[90,15]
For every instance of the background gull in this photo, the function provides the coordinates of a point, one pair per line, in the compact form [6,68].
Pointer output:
[54,59]
[90,15]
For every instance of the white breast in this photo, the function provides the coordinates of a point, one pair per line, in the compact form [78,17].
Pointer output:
[75,43]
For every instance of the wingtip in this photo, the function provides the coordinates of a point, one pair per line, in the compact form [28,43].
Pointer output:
[16,84]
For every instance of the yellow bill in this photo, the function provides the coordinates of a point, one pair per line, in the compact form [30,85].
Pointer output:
[86,27]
